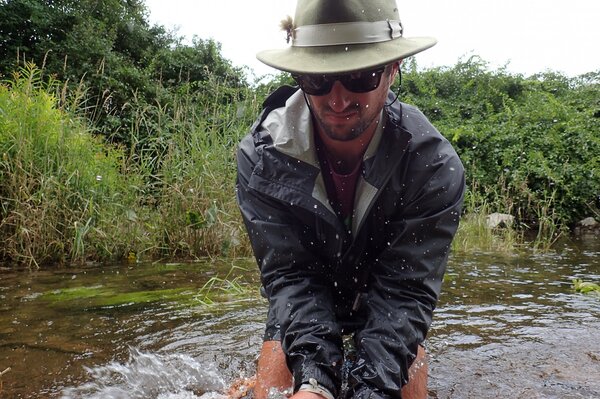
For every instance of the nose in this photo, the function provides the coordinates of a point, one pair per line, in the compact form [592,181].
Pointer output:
[338,98]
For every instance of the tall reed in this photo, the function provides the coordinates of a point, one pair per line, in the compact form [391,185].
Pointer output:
[67,196]
[187,160]
[60,187]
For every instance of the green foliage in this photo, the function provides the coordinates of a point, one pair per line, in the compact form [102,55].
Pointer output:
[161,182]
[190,168]
[220,289]
[530,145]
[214,291]
[59,186]
[67,196]
[586,287]
[110,50]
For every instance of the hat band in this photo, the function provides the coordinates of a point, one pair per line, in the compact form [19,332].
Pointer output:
[346,33]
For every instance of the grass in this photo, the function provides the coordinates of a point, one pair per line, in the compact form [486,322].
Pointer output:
[586,287]
[59,184]
[474,233]
[69,197]
[215,290]
[219,288]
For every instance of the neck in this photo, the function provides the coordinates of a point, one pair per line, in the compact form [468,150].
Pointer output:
[345,155]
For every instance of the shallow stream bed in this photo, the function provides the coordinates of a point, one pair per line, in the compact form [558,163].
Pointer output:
[507,326]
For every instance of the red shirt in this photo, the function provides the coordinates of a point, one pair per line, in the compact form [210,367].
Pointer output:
[340,187]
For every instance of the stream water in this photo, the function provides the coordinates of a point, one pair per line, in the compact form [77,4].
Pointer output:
[507,326]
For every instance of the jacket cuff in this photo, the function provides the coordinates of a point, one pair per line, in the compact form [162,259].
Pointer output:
[315,387]
[362,391]
[314,379]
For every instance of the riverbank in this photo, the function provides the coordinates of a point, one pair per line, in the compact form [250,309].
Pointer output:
[70,196]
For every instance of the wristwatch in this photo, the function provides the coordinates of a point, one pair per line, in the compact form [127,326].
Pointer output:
[313,386]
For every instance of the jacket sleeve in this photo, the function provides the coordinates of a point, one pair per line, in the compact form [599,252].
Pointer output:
[292,278]
[406,278]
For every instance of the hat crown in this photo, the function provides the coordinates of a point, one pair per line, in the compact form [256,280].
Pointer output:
[342,36]
[316,12]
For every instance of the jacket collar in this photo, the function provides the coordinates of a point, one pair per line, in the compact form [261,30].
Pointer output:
[291,129]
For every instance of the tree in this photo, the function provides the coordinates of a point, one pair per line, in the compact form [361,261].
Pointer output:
[109,50]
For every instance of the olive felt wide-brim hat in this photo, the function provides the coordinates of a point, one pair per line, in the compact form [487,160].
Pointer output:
[339,36]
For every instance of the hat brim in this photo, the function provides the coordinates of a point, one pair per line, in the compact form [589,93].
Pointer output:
[344,58]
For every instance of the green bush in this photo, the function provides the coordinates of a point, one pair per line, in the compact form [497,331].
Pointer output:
[163,186]
[110,49]
[530,145]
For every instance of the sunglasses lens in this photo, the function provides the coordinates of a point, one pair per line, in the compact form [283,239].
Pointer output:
[314,85]
[362,82]
[358,82]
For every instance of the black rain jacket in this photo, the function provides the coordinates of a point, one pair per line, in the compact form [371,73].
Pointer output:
[381,280]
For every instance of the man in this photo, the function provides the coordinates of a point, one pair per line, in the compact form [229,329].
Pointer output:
[351,200]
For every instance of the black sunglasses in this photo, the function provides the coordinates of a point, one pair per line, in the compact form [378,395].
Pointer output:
[356,82]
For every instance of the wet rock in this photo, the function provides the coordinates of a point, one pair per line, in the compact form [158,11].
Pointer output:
[501,220]
[587,226]
[588,223]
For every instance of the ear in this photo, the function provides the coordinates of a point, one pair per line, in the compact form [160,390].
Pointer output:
[397,65]
[394,72]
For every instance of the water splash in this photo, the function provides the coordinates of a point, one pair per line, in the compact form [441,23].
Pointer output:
[151,375]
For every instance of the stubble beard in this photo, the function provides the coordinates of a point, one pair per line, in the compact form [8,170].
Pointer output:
[346,133]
